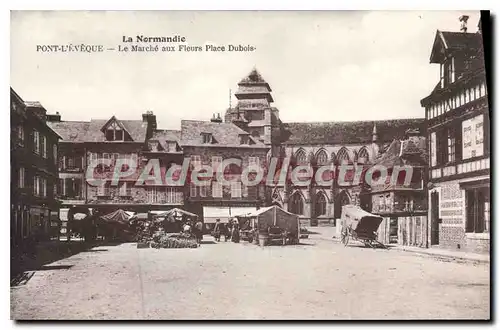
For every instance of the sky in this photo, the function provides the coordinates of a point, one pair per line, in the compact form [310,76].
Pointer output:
[322,66]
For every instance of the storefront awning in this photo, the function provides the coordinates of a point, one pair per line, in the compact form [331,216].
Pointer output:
[212,213]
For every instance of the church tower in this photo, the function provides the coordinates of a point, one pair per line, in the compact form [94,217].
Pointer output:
[253,111]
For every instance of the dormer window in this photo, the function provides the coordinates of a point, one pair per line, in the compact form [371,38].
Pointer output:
[447,72]
[206,137]
[172,146]
[114,132]
[244,139]
[153,146]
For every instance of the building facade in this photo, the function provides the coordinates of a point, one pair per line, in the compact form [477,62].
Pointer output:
[34,154]
[457,112]
[112,140]
[210,144]
[401,199]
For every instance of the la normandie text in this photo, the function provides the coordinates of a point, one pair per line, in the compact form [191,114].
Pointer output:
[142,38]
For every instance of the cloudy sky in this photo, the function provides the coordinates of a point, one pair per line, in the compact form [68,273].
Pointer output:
[322,66]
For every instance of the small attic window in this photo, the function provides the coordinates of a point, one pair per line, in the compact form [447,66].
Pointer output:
[172,146]
[206,137]
[244,139]
[114,132]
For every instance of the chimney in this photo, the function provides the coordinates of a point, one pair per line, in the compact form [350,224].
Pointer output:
[463,26]
[54,118]
[149,118]
[217,119]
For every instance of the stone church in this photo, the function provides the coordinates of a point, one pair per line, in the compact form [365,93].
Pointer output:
[356,143]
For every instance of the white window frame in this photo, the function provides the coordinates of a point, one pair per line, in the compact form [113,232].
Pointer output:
[196,160]
[44,146]
[125,190]
[253,161]
[101,190]
[235,189]
[172,146]
[21,177]
[44,187]
[192,190]
[216,189]
[203,189]
[216,161]
[36,185]
[36,142]
[20,135]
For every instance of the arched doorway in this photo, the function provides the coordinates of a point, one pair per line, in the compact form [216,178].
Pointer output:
[296,204]
[341,200]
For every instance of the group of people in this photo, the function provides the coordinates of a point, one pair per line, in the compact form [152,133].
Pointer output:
[230,230]
[196,230]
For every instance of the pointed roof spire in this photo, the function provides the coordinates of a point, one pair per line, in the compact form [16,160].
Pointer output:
[253,86]
[374,133]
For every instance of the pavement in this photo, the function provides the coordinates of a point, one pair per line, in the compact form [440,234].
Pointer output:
[317,280]
[330,233]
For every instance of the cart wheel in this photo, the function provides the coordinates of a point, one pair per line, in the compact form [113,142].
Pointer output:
[344,237]
[250,239]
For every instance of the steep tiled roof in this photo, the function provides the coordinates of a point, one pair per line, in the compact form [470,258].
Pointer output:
[90,131]
[403,152]
[162,136]
[225,134]
[352,132]
[461,40]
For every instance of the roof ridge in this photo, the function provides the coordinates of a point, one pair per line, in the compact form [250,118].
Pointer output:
[353,121]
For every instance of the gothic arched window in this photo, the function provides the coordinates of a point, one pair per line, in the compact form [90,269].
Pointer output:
[301,157]
[320,206]
[322,158]
[343,156]
[363,156]
[296,204]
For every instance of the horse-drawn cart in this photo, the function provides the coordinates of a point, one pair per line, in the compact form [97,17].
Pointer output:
[360,226]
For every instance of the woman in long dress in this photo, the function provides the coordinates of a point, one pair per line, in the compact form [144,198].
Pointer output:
[235,236]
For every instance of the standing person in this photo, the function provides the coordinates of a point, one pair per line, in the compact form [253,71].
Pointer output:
[199,231]
[227,231]
[235,236]
[217,230]
[187,228]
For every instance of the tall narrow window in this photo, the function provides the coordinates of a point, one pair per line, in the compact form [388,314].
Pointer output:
[320,204]
[322,158]
[296,205]
[301,157]
[44,146]
[20,135]
[203,189]
[433,149]
[363,156]
[451,146]
[343,156]
[451,70]
[196,160]
[192,190]
[216,161]
[235,189]
[21,177]
[36,142]
[217,189]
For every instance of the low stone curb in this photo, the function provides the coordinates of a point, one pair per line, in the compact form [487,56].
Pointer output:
[423,251]
[442,255]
